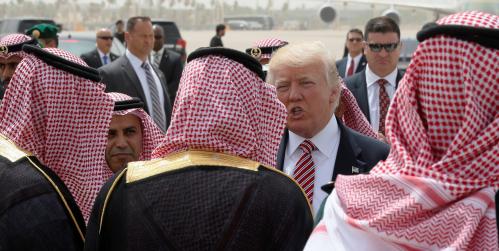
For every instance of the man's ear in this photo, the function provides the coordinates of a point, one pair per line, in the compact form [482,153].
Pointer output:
[335,93]
[127,37]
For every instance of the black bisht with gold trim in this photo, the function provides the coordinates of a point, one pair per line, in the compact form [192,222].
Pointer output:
[199,200]
[37,211]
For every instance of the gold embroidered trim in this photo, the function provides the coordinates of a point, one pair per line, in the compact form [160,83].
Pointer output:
[108,196]
[144,169]
[10,150]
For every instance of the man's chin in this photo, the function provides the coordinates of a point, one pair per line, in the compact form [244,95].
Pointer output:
[118,163]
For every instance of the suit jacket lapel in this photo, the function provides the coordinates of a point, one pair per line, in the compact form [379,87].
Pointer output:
[347,158]
[361,89]
[399,77]
[362,64]
[164,59]
[343,67]
[133,79]
[281,153]
[96,58]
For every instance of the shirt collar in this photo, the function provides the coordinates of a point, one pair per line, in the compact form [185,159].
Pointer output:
[160,51]
[321,140]
[356,59]
[372,78]
[134,60]
[101,54]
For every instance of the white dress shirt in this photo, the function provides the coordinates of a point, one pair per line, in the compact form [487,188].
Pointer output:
[327,142]
[159,53]
[101,55]
[137,66]
[373,93]
[356,61]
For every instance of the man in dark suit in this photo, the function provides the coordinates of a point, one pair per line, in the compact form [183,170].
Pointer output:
[316,146]
[102,54]
[216,41]
[169,62]
[375,86]
[354,61]
[132,74]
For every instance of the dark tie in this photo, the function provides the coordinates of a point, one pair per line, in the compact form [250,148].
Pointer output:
[350,69]
[304,172]
[157,110]
[384,103]
[104,58]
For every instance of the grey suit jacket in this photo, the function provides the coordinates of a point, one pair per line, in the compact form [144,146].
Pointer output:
[357,153]
[92,58]
[119,76]
[171,66]
[358,86]
[341,65]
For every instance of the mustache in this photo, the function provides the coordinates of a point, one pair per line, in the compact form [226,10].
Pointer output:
[121,151]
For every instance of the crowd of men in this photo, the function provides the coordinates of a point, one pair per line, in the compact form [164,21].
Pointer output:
[280,147]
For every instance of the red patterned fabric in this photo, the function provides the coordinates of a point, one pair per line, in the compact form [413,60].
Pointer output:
[151,134]
[353,116]
[63,120]
[269,42]
[304,172]
[384,103]
[13,39]
[222,106]
[436,189]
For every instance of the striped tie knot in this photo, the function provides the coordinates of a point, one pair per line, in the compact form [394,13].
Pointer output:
[145,66]
[382,82]
[307,146]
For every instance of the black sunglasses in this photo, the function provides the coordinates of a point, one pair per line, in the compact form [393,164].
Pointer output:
[388,47]
[106,38]
[356,39]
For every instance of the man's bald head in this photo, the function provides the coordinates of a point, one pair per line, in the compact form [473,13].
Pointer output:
[104,39]
[159,37]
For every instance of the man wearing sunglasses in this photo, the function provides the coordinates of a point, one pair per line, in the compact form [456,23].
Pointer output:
[354,61]
[102,54]
[375,86]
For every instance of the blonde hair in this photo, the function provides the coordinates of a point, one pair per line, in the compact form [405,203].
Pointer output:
[302,54]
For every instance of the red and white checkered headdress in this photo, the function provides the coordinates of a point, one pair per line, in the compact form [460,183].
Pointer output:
[353,116]
[63,120]
[14,39]
[151,134]
[222,106]
[264,48]
[436,189]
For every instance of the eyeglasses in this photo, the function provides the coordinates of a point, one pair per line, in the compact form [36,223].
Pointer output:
[356,39]
[388,47]
[106,38]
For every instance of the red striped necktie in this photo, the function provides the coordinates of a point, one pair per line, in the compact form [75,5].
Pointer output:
[384,103]
[304,172]
[350,69]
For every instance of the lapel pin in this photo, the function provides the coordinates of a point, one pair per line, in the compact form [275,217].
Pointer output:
[355,169]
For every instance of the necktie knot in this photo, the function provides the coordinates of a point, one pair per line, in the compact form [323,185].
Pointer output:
[145,66]
[382,82]
[307,146]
